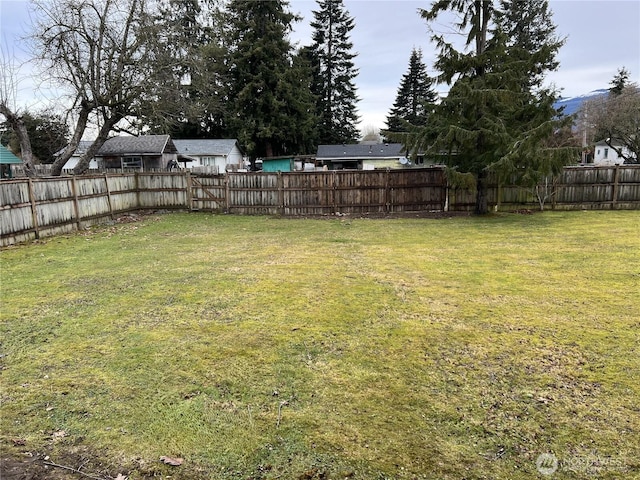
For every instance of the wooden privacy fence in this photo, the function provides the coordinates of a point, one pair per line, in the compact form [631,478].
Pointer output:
[39,207]
[576,188]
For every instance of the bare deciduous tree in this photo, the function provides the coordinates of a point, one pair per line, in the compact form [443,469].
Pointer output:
[98,50]
[615,118]
[9,80]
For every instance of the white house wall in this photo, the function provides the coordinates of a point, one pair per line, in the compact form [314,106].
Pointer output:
[612,157]
[235,157]
[73,161]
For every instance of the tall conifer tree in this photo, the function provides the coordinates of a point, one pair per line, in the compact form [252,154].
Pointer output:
[415,98]
[190,69]
[496,115]
[335,70]
[270,103]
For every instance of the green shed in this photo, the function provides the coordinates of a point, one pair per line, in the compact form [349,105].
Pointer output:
[6,160]
[277,164]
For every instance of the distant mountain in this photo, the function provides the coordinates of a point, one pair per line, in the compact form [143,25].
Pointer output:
[572,104]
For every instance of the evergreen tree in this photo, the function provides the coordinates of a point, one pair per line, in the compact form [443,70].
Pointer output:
[272,102]
[415,98]
[530,36]
[334,85]
[190,72]
[495,116]
[48,133]
[619,82]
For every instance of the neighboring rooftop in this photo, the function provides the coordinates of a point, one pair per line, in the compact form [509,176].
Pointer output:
[205,146]
[380,150]
[144,144]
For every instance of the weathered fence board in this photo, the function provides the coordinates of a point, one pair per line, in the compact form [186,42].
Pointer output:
[38,207]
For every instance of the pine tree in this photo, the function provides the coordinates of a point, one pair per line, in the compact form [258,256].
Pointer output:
[415,98]
[334,84]
[495,116]
[271,97]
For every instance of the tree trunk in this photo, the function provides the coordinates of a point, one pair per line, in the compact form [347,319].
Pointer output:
[482,191]
[269,149]
[103,134]
[23,137]
[81,125]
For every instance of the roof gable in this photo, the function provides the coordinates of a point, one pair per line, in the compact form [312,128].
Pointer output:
[381,150]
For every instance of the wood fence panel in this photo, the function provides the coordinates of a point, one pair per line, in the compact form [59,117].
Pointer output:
[360,191]
[414,190]
[308,193]
[55,207]
[461,200]
[122,192]
[162,190]
[16,215]
[253,194]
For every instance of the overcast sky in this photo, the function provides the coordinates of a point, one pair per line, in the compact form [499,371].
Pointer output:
[602,36]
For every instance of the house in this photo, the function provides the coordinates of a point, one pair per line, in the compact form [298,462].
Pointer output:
[83,146]
[605,155]
[363,156]
[146,152]
[211,155]
[7,160]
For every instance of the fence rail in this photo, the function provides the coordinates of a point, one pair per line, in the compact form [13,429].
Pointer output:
[32,208]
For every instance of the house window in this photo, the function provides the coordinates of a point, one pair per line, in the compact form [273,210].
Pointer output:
[606,153]
[208,161]
[132,162]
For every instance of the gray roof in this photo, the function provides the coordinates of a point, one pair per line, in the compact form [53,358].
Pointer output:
[360,151]
[614,141]
[206,146]
[83,146]
[144,144]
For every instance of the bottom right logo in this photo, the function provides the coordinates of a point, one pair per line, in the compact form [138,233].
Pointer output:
[547,463]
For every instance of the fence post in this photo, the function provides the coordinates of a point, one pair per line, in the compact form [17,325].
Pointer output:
[333,191]
[447,193]
[137,183]
[76,208]
[616,179]
[227,192]
[34,213]
[189,192]
[280,193]
[106,184]
[386,191]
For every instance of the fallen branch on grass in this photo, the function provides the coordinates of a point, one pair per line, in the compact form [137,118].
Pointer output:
[57,465]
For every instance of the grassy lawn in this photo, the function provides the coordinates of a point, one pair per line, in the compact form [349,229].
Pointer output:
[258,347]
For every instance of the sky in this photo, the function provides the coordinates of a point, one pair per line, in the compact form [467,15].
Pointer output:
[602,36]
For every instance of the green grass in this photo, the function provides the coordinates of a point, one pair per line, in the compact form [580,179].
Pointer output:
[258,347]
